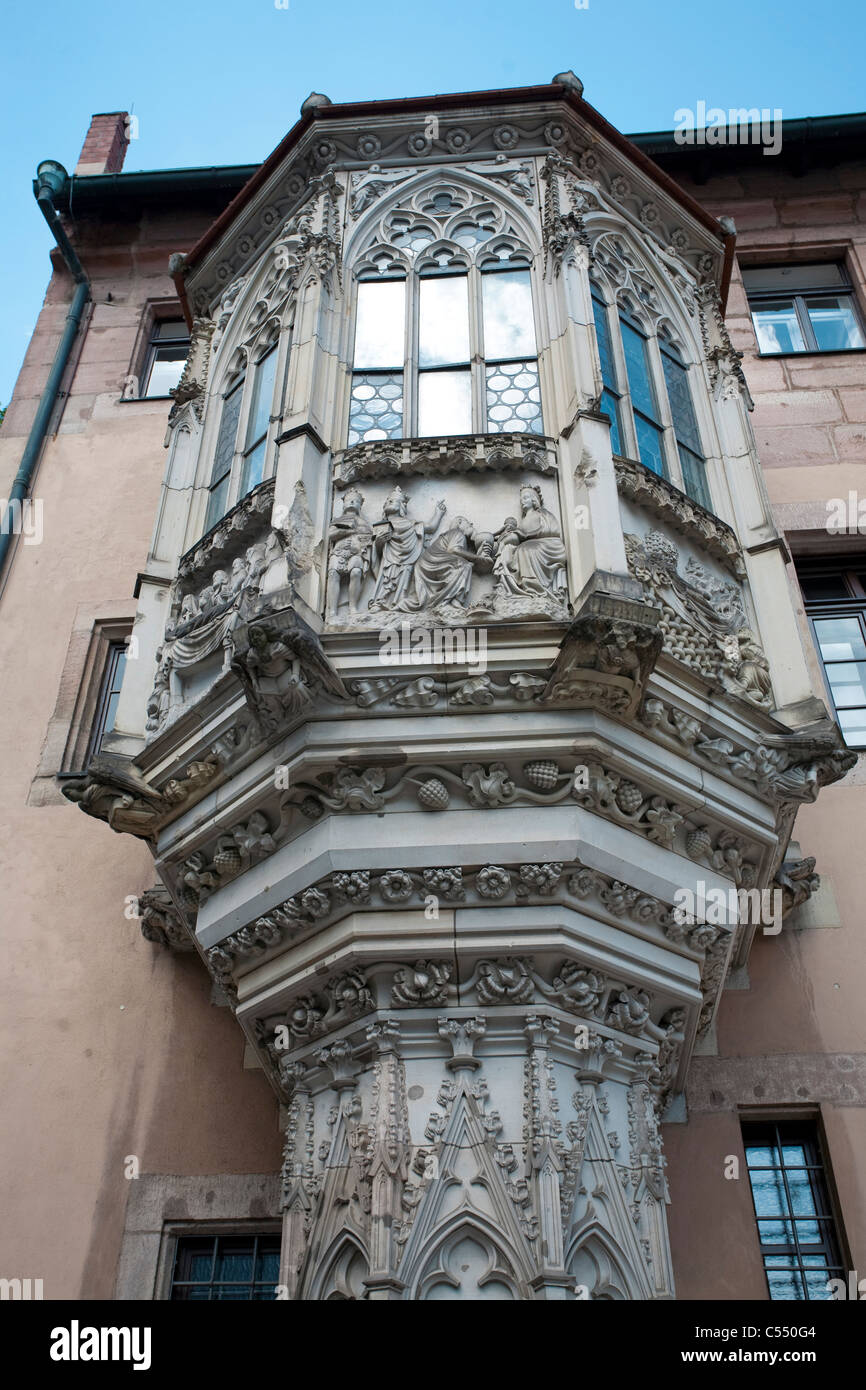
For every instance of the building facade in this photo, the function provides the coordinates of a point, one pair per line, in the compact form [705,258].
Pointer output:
[450,686]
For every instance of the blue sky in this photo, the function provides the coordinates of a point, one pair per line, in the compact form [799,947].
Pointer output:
[220,81]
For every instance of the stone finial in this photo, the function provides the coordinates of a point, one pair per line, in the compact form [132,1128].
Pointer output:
[314,100]
[568,79]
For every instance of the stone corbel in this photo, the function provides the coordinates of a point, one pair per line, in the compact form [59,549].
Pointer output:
[281,666]
[161,922]
[114,790]
[606,655]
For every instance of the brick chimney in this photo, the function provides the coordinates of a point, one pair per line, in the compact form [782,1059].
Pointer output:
[104,149]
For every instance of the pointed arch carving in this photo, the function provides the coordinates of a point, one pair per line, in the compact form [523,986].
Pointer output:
[597,1262]
[340,1272]
[468,1262]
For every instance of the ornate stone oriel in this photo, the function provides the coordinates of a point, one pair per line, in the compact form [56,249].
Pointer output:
[440,726]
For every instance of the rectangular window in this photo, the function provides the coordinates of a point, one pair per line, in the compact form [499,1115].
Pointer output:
[803,308]
[258,421]
[376,410]
[167,352]
[223,455]
[835,599]
[211,1269]
[109,694]
[796,1227]
[647,424]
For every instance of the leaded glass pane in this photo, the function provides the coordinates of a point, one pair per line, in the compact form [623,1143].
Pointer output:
[649,443]
[443,330]
[380,327]
[637,367]
[376,410]
[225,445]
[602,335]
[262,397]
[695,477]
[254,463]
[509,330]
[513,398]
[610,406]
[444,403]
[217,502]
[680,398]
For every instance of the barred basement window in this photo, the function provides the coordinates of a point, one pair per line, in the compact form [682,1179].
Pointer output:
[647,396]
[796,1227]
[835,596]
[803,308]
[211,1269]
[448,350]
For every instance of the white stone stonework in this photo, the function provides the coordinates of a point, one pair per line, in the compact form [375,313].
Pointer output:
[438,728]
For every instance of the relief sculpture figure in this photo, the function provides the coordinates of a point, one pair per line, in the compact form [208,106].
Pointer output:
[399,541]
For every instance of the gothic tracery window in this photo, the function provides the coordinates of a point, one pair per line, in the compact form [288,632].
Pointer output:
[647,383]
[241,452]
[444,329]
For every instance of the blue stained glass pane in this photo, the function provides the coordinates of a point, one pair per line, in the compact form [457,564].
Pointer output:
[225,445]
[695,477]
[769,1193]
[682,408]
[610,406]
[640,385]
[217,502]
[602,334]
[649,443]
[253,467]
[263,394]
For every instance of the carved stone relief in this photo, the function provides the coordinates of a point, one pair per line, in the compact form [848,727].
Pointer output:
[427,564]
[703,620]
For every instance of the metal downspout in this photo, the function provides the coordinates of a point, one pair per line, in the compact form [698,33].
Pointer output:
[51,179]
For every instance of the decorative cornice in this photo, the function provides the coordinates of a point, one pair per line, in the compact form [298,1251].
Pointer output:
[659,496]
[478,453]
